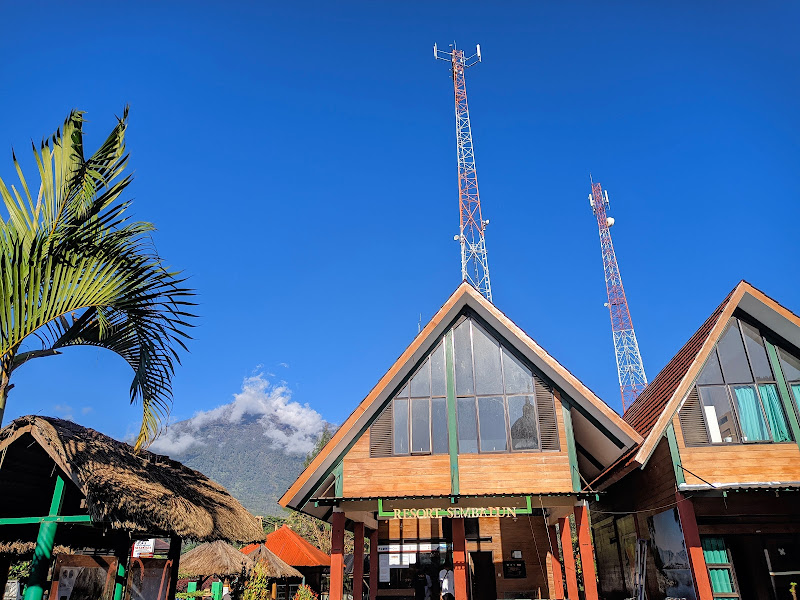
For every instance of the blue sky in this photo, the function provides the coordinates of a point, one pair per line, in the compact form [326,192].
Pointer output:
[298,160]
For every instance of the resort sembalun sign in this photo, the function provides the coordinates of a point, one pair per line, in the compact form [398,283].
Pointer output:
[456,512]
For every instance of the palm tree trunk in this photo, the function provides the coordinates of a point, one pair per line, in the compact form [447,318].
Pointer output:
[5,387]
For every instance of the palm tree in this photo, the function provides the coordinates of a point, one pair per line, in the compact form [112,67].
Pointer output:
[75,270]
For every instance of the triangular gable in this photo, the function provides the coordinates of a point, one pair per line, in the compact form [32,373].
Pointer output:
[655,407]
[464,296]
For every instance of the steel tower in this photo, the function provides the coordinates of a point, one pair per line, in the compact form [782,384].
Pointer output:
[632,379]
[474,264]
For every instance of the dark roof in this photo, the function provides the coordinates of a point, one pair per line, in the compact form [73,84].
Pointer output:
[138,492]
[644,412]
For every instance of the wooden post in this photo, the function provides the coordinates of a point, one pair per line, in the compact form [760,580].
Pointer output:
[43,553]
[691,536]
[358,561]
[587,551]
[174,555]
[558,579]
[123,554]
[337,557]
[570,574]
[374,566]
[460,560]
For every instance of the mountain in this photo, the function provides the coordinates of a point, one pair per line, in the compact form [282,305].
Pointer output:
[254,446]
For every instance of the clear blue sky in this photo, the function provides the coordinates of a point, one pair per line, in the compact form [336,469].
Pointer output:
[298,160]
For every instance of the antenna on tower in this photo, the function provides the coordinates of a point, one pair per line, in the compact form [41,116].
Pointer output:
[474,264]
[632,378]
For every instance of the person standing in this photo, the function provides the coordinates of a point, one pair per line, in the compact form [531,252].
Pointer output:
[446,584]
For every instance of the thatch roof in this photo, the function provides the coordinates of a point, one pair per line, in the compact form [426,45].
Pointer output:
[214,559]
[20,547]
[273,565]
[141,492]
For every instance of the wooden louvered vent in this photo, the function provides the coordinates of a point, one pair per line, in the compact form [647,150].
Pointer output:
[381,433]
[548,425]
[692,424]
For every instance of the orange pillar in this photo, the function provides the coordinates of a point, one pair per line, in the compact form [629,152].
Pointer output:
[570,574]
[358,561]
[558,580]
[691,536]
[337,556]
[460,560]
[374,567]
[587,552]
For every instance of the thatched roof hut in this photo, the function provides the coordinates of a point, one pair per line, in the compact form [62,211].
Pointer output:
[138,493]
[214,559]
[274,566]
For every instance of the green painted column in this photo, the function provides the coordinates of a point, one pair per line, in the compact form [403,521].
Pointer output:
[43,553]
[452,429]
[783,391]
[191,586]
[675,454]
[571,450]
[216,590]
[119,585]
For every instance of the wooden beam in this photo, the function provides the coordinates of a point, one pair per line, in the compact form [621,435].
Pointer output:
[691,537]
[174,556]
[337,556]
[374,567]
[452,430]
[587,551]
[43,553]
[568,554]
[48,519]
[358,561]
[558,579]
[460,560]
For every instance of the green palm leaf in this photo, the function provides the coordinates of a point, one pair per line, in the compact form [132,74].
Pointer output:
[75,271]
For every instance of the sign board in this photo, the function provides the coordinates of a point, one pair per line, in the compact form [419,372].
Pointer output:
[385,575]
[514,569]
[13,591]
[144,548]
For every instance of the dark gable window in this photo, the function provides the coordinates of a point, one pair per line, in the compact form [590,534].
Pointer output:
[496,402]
[791,371]
[738,391]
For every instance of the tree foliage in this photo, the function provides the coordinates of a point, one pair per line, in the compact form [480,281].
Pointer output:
[75,270]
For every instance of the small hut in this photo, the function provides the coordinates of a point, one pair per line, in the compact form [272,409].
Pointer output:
[64,484]
[294,550]
[285,578]
[214,559]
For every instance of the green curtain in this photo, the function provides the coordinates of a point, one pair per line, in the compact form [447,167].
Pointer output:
[796,392]
[775,417]
[750,418]
[715,553]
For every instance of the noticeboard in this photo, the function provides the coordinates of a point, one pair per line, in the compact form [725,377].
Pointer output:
[514,569]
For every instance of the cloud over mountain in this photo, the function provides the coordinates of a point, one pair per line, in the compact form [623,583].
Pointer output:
[289,426]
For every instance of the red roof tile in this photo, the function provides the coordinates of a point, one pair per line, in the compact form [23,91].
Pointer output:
[643,413]
[294,550]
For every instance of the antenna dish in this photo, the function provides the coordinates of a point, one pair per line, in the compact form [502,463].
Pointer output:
[479,51]
[610,221]
[435,53]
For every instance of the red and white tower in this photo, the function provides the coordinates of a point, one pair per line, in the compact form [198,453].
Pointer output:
[474,264]
[632,379]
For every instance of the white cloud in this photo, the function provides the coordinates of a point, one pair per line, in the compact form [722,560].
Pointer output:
[64,411]
[86,410]
[290,426]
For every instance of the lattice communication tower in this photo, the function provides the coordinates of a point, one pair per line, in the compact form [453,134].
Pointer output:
[632,378]
[474,264]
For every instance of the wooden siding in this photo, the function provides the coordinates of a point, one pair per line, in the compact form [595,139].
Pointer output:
[395,475]
[738,462]
[508,472]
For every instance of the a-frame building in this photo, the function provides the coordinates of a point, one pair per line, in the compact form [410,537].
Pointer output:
[469,455]
[715,486]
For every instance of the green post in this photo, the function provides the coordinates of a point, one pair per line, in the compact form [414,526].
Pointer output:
[675,454]
[119,585]
[783,391]
[571,450]
[452,430]
[191,586]
[216,590]
[43,553]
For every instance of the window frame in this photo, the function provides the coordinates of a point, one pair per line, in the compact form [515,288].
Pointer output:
[730,392]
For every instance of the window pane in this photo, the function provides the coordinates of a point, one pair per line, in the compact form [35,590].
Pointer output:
[488,376]
[438,382]
[791,366]
[492,420]
[776,419]
[518,378]
[467,426]
[719,417]
[711,373]
[522,416]
[421,382]
[441,439]
[758,354]
[403,393]
[751,419]
[463,359]
[721,581]
[420,425]
[732,357]
[400,413]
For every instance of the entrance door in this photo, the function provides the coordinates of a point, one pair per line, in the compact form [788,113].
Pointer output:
[482,576]
[783,560]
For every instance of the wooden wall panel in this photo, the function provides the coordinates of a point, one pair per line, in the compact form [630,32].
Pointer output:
[739,462]
[514,473]
[393,476]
